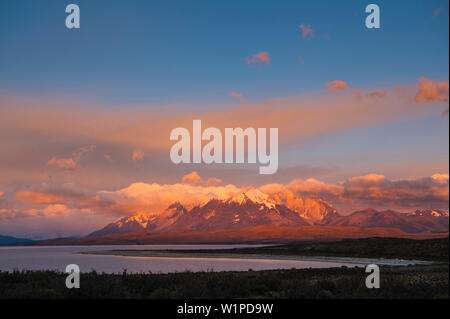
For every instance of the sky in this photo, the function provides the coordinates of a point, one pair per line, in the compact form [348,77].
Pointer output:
[88,112]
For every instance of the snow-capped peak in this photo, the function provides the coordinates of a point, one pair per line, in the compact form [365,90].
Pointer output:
[255,196]
[429,212]
[141,219]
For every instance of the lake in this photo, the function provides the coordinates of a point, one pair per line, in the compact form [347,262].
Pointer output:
[58,257]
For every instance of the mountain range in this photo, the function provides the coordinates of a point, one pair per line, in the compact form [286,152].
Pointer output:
[9,240]
[254,208]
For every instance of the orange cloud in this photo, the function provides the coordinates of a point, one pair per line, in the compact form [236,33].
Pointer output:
[1,194]
[195,179]
[372,190]
[430,90]
[239,96]
[70,163]
[376,94]
[118,131]
[192,178]
[54,194]
[297,117]
[306,30]
[440,178]
[137,155]
[336,86]
[38,197]
[261,58]
[108,158]
[49,211]
[9,214]
[63,163]
[357,93]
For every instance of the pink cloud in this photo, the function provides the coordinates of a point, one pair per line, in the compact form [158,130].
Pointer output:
[70,163]
[260,58]
[63,163]
[108,158]
[195,179]
[372,190]
[137,155]
[430,91]
[306,30]
[336,86]
[239,96]
[376,94]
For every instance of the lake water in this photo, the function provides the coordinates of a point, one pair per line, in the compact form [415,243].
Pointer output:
[58,257]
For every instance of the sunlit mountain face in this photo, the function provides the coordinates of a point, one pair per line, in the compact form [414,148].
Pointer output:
[254,208]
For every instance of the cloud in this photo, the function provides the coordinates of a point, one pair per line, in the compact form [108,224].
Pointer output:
[49,211]
[326,36]
[1,194]
[372,190]
[377,190]
[357,93]
[260,58]
[55,210]
[139,130]
[239,96]
[137,155]
[376,94]
[431,90]
[9,214]
[108,158]
[70,163]
[63,163]
[341,86]
[300,60]
[119,131]
[45,194]
[306,30]
[336,86]
[195,179]
[440,178]
[436,12]
[52,221]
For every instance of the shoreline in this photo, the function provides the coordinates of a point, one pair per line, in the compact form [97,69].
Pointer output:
[329,259]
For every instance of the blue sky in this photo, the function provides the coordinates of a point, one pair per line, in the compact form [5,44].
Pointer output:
[159,51]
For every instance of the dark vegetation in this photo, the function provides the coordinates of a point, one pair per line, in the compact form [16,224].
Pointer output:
[424,281]
[427,249]
[396,282]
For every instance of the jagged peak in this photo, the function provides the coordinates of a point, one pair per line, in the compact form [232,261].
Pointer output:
[430,212]
[176,205]
[254,195]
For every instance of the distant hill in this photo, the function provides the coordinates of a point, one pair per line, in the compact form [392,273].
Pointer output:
[414,222]
[257,234]
[8,240]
